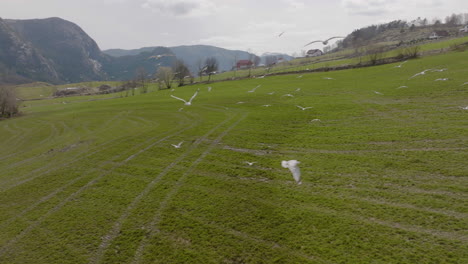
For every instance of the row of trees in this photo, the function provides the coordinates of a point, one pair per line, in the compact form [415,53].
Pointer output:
[8,102]
[180,72]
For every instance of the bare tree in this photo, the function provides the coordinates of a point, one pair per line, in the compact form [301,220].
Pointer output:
[211,65]
[8,103]
[270,60]
[181,72]
[201,68]
[374,53]
[141,75]
[165,76]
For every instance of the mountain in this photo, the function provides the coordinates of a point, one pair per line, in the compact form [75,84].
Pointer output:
[58,51]
[125,67]
[74,55]
[20,61]
[191,55]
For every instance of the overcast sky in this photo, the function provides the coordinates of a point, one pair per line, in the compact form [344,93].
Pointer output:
[251,25]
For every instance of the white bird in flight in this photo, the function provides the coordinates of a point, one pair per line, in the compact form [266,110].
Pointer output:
[240,102]
[290,95]
[292,165]
[324,42]
[304,108]
[403,86]
[300,76]
[253,90]
[439,70]
[267,105]
[420,73]
[316,120]
[250,163]
[298,89]
[178,145]
[464,84]
[328,78]
[185,102]
[441,79]
[399,66]
[271,93]
[378,93]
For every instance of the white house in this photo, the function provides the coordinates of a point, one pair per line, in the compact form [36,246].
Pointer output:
[314,53]
[464,29]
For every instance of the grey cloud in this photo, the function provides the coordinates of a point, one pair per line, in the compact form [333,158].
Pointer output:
[178,8]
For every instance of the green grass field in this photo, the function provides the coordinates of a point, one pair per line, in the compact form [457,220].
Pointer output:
[384,171]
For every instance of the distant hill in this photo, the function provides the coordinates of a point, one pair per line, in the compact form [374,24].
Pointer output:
[191,55]
[125,67]
[58,51]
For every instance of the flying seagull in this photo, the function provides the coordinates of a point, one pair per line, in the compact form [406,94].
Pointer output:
[441,79]
[298,89]
[328,78]
[399,66]
[271,93]
[178,145]
[304,108]
[292,166]
[464,84]
[324,42]
[250,163]
[185,102]
[290,95]
[420,73]
[300,76]
[439,70]
[316,120]
[379,93]
[267,105]
[403,86]
[253,90]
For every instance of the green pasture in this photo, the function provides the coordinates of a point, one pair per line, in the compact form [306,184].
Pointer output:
[383,160]
[344,57]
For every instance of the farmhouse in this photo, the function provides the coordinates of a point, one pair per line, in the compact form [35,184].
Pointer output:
[464,29]
[242,64]
[438,34]
[314,53]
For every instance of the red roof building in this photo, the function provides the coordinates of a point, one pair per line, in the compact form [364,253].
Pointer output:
[244,64]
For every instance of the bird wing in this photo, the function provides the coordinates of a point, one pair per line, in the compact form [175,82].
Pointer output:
[178,98]
[333,38]
[312,42]
[296,172]
[300,107]
[285,164]
[195,94]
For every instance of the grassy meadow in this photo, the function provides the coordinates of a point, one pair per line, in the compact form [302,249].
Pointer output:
[383,160]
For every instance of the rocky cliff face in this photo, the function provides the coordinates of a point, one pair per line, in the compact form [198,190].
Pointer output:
[75,56]
[20,61]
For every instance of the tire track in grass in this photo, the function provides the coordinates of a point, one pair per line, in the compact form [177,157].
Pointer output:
[7,247]
[58,190]
[117,226]
[42,200]
[258,240]
[153,226]
[39,171]
[104,125]
[453,236]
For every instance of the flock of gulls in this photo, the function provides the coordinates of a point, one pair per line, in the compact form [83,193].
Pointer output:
[293,165]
